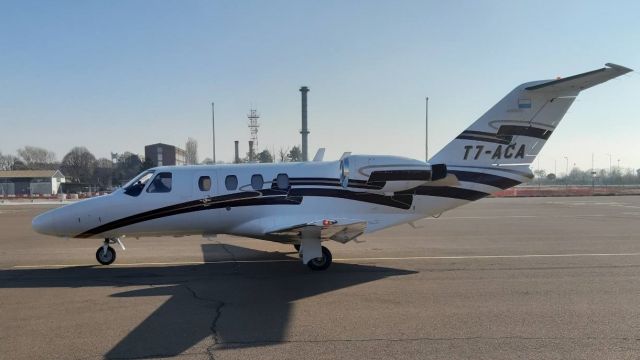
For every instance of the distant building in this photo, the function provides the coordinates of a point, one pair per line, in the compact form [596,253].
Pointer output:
[163,154]
[30,182]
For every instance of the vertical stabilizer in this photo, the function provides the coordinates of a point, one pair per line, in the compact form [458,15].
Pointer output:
[504,141]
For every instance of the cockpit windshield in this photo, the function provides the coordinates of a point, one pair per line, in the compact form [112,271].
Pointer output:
[135,186]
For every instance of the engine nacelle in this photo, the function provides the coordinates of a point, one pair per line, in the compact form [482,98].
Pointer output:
[387,174]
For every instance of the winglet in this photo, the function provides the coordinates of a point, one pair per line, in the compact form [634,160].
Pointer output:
[319,155]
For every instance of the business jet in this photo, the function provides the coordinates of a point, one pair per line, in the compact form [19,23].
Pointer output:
[307,203]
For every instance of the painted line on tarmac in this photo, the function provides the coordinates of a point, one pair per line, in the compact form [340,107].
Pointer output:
[485,257]
[460,257]
[155,263]
[517,217]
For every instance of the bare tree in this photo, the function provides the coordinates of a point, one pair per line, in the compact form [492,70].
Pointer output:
[7,161]
[127,166]
[282,154]
[103,173]
[35,157]
[79,164]
[191,149]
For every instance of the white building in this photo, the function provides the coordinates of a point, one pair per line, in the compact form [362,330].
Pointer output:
[30,182]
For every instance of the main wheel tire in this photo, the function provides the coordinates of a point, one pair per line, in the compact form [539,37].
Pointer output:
[108,258]
[321,263]
[297,247]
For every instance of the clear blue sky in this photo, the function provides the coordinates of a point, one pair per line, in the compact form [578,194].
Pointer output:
[116,75]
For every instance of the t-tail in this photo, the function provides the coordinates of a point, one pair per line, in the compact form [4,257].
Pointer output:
[495,152]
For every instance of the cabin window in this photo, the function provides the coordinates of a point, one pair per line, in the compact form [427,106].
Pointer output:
[231,182]
[257,182]
[161,183]
[135,186]
[282,181]
[204,183]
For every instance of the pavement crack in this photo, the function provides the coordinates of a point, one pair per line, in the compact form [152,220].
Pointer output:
[236,265]
[215,336]
[499,338]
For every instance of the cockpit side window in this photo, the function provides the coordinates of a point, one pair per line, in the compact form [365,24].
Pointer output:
[135,186]
[161,183]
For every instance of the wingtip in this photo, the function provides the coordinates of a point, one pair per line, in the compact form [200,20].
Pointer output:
[618,67]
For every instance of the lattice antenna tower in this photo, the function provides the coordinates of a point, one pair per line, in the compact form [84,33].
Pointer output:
[253,126]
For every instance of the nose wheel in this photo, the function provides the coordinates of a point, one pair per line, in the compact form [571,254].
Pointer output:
[106,255]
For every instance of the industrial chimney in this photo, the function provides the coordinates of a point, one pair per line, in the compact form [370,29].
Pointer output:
[250,151]
[305,131]
[236,159]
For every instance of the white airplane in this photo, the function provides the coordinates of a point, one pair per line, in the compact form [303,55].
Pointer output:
[307,203]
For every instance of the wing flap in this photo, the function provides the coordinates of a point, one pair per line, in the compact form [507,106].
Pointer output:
[341,231]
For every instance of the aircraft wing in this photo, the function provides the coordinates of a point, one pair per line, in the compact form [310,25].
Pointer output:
[339,230]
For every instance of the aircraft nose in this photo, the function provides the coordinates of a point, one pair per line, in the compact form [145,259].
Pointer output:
[45,223]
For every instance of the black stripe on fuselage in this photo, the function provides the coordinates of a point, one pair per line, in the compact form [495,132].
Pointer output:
[403,201]
[450,192]
[400,200]
[230,200]
[357,184]
[486,139]
[399,175]
[253,198]
[516,130]
[486,179]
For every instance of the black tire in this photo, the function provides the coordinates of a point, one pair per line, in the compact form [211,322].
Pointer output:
[297,247]
[108,258]
[323,263]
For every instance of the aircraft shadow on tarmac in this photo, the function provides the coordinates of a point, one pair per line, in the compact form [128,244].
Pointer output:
[237,304]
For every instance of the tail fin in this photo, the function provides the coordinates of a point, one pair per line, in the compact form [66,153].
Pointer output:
[510,135]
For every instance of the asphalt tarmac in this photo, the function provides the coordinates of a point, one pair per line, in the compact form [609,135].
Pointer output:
[526,278]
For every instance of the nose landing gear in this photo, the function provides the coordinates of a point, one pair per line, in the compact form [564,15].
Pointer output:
[105,254]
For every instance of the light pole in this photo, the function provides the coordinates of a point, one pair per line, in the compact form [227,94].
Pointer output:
[566,174]
[426,127]
[609,163]
[213,131]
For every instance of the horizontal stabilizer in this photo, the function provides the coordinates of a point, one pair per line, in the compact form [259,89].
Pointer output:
[582,81]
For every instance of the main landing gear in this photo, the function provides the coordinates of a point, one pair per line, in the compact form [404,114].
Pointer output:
[321,263]
[316,257]
[105,254]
